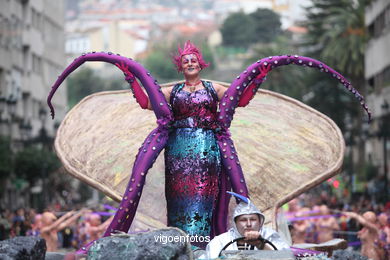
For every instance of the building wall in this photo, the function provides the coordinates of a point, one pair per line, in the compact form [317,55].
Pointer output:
[31,57]
[377,75]
[114,36]
[377,69]
[377,57]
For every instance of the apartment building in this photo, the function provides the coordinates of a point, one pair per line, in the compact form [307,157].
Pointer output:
[32,55]
[377,74]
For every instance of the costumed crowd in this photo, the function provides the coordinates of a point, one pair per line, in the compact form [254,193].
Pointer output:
[312,219]
[318,219]
[61,229]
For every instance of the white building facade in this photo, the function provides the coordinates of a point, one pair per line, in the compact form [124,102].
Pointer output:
[31,57]
[377,74]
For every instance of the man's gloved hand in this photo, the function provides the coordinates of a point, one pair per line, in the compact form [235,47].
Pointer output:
[252,238]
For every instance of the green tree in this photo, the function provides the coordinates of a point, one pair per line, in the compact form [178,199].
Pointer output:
[337,35]
[242,30]
[267,25]
[329,97]
[237,30]
[83,83]
[160,66]
[115,83]
[288,80]
[32,163]
[208,56]
[6,166]
[337,30]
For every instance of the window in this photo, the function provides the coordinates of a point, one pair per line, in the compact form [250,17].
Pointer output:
[381,24]
[37,64]
[16,32]
[2,83]
[5,32]
[380,80]
[36,19]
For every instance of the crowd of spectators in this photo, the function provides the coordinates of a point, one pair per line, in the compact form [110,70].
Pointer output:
[313,218]
[319,218]
[62,230]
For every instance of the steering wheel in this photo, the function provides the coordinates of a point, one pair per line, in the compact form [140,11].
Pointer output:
[263,240]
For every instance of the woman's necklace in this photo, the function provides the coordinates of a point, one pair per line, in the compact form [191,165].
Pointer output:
[192,86]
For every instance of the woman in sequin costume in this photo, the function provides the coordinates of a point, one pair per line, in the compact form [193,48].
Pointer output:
[192,117]
[192,155]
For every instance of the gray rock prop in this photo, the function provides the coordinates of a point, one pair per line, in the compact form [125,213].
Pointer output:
[23,248]
[55,256]
[258,254]
[156,245]
[347,255]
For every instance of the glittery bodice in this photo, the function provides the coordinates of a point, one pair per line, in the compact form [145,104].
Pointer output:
[197,109]
[192,161]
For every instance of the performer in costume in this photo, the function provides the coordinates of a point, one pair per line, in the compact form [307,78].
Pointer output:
[192,155]
[204,118]
[248,223]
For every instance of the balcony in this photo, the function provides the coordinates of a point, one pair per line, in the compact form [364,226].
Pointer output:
[26,36]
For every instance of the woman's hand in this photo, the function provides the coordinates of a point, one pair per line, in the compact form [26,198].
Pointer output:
[264,69]
[251,90]
[129,76]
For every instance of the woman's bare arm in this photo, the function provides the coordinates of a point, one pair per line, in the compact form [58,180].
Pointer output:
[362,220]
[220,90]
[167,94]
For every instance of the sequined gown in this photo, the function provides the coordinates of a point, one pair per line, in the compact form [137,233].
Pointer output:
[192,160]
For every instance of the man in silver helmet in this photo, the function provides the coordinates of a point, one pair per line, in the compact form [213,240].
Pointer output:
[248,222]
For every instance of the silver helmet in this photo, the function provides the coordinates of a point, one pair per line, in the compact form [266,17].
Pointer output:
[245,207]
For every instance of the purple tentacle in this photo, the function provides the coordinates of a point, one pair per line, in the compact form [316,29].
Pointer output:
[220,213]
[145,158]
[157,99]
[232,95]
[232,165]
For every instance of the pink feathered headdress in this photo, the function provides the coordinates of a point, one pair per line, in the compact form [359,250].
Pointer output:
[189,48]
